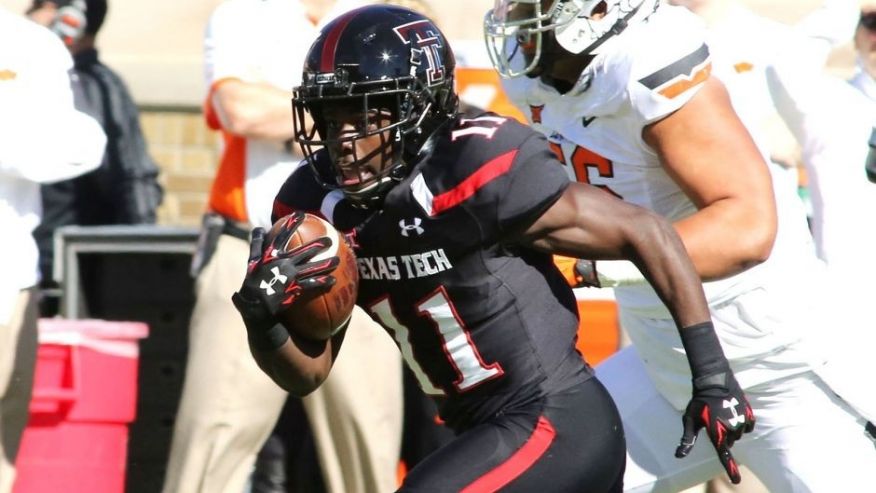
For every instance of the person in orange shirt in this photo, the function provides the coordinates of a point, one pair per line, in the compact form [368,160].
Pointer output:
[228,406]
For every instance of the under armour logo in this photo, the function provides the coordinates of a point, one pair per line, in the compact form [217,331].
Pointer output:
[415,227]
[737,419]
[268,286]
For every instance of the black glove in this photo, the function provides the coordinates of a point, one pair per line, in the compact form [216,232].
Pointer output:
[276,278]
[719,406]
[585,274]
[718,403]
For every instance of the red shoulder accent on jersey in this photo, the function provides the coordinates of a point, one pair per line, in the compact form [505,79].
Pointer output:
[493,169]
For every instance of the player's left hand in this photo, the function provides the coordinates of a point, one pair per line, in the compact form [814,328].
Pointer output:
[718,405]
[275,279]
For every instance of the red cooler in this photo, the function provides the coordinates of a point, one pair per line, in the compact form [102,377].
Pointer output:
[84,397]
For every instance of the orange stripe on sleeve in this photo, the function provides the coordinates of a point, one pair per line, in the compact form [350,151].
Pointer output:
[743,67]
[683,84]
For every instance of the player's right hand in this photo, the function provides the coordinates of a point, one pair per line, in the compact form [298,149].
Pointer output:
[276,278]
[585,274]
[718,405]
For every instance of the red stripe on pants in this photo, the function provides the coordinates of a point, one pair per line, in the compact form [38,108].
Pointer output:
[519,462]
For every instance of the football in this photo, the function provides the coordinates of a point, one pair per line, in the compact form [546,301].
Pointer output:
[318,315]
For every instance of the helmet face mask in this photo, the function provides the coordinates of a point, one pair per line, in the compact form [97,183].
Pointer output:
[362,134]
[377,83]
[516,30]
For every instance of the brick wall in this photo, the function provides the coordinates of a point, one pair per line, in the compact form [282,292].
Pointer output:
[187,152]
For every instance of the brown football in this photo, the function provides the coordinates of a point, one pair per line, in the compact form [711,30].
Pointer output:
[317,315]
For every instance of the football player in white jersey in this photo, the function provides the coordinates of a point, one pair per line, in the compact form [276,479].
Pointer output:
[622,88]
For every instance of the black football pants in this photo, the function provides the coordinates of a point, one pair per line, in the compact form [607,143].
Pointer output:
[568,442]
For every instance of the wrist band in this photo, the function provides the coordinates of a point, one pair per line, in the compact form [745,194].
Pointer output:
[704,353]
[268,340]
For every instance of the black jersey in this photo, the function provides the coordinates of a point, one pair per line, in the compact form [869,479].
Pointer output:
[483,323]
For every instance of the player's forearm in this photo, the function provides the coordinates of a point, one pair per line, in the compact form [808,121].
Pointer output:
[588,223]
[257,111]
[299,366]
[660,256]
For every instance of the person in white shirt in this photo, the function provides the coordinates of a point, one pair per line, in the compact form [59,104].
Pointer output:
[744,47]
[624,91]
[864,78]
[832,122]
[43,139]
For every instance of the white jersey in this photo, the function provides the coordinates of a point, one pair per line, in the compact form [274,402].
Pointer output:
[43,139]
[597,130]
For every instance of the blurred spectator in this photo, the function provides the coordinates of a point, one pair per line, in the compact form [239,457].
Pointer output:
[744,45]
[745,49]
[42,139]
[864,78]
[254,51]
[830,122]
[124,189]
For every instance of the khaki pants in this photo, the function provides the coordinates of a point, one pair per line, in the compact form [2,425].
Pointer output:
[18,343]
[749,484]
[229,407]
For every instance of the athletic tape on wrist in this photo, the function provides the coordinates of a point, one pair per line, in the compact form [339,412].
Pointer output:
[614,273]
[270,339]
[704,353]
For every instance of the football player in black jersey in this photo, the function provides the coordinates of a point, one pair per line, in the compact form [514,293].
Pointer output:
[453,221]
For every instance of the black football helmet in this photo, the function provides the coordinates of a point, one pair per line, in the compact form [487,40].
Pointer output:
[376,60]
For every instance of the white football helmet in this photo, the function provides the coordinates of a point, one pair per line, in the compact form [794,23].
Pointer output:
[514,28]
